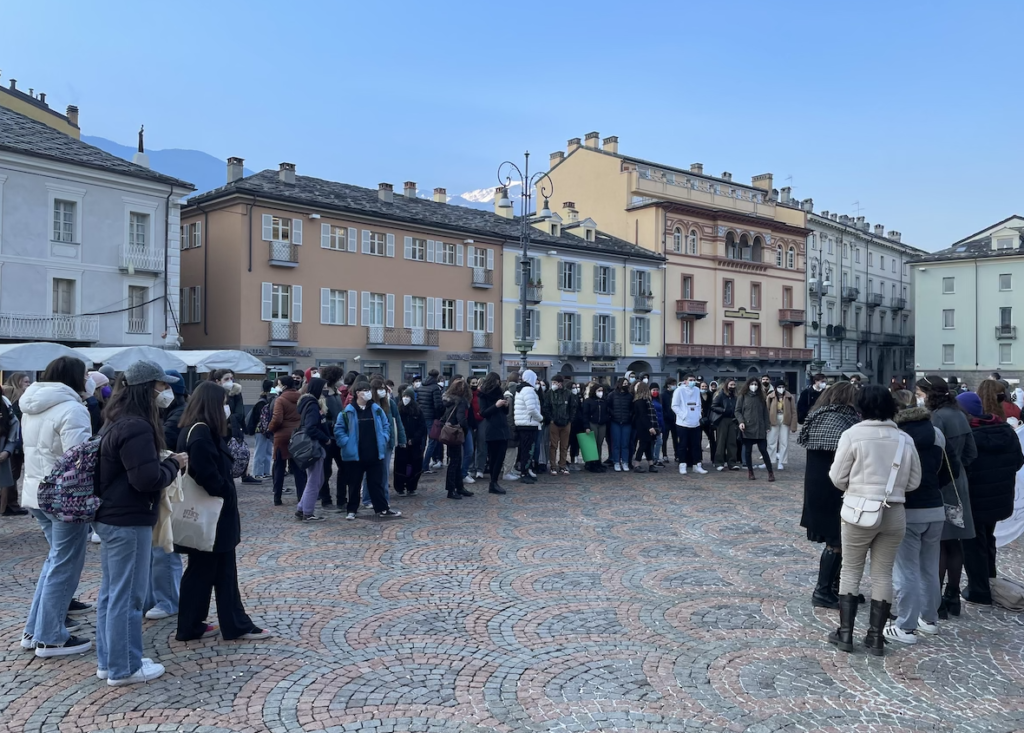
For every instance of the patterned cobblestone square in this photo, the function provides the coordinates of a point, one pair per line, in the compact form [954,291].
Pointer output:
[585,603]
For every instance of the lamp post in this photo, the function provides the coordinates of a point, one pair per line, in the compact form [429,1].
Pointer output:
[823,285]
[545,188]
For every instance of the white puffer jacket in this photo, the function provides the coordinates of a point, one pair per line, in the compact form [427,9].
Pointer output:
[54,420]
[864,461]
[528,413]
[686,405]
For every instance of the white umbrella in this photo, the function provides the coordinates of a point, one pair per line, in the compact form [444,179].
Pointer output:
[35,356]
[239,362]
[121,357]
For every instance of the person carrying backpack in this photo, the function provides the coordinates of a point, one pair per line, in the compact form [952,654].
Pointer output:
[256,425]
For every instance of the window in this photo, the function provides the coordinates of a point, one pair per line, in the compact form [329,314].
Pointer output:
[894,264]
[856,282]
[814,242]
[856,319]
[640,283]
[856,255]
[447,315]
[846,251]
[417,312]
[569,276]
[881,261]
[791,258]
[554,230]
[871,285]
[687,287]
[1005,353]
[191,235]
[755,334]
[63,221]
[1004,243]
[478,318]
[377,301]
[604,329]
[191,305]
[687,332]
[787,297]
[138,227]
[63,297]
[280,303]
[845,317]
[893,294]
[639,330]
[1005,318]
[479,258]
[604,280]
[677,240]
[532,324]
[846,279]
[692,244]
[137,297]
[727,298]
[906,268]
[947,353]
[377,245]
[831,244]
[727,330]
[948,285]
[335,306]
[778,256]
[280,229]
[1006,282]
[830,314]
[949,318]
[569,327]
[337,239]
[755,296]
[787,337]
[589,235]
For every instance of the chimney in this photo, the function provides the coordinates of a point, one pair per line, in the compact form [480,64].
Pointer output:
[14,85]
[571,215]
[861,224]
[824,214]
[726,175]
[590,140]
[440,196]
[556,157]
[610,144]
[894,236]
[844,219]
[72,114]
[573,144]
[807,205]
[763,181]
[879,230]
[499,193]
[409,187]
[286,173]
[42,98]
[834,217]
[697,168]
[785,194]
[235,169]
[386,193]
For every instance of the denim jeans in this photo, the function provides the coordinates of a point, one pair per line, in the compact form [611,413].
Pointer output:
[468,454]
[916,575]
[164,581]
[264,455]
[388,453]
[621,437]
[125,559]
[429,453]
[58,579]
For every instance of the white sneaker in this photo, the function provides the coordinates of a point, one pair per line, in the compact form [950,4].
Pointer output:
[149,670]
[436,465]
[157,613]
[618,466]
[511,476]
[479,474]
[27,642]
[781,466]
[532,474]
[699,469]
[926,627]
[467,479]
[893,632]
[625,467]
[682,469]
[94,538]
[759,465]
[103,674]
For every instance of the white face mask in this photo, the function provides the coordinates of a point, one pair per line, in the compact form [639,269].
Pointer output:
[556,386]
[164,398]
[276,390]
[575,390]
[632,380]
[406,400]
[646,380]
[920,401]
[690,383]
[315,375]
[227,384]
[227,411]
[90,386]
[382,393]
[780,390]
[703,391]
[754,388]
[417,385]
[366,395]
[600,394]
[820,386]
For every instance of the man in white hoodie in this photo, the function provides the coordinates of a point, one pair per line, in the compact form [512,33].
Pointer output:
[528,422]
[686,405]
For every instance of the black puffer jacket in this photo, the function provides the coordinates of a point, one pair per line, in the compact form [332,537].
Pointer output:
[992,475]
[595,411]
[172,416]
[131,474]
[312,420]
[621,405]
[723,407]
[428,397]
[209,463]
[495,418]
[917,423]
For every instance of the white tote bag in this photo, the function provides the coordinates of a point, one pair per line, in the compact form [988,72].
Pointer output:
[194,518]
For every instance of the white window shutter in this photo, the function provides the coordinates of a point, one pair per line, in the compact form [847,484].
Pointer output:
[560,327]
[366,241]
[199,234]
[391,245]
[325,305]
[430,314]
[407,310]
[632,329]
[268,227]
[458,315]
[490,259]
[535,323]
[390,314]
[365,297]
[296,231]
[597,329]
[471,315]
[490,318]
[430,250]
[632,282]
[267,296]
[612,270]
[351,239]
[296,304]
[408,248]
[439,312]
[352,307]
[460,253]
[325,236]
[471,256]
[578,276]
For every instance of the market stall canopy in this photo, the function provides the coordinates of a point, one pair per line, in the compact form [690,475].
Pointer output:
[121,357]
[239,362]
[35,356]
[851,375]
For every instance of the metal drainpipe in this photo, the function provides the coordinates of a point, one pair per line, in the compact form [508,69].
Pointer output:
[249,214]
[206,249]
[167,255]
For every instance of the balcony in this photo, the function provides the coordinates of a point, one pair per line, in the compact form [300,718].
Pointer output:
[26,327]
[410,339]
[695,309]
[141,259]
[482,341]
[483,278]
[283,333]
[138,325]
[708,351]
[534,293]
[874,299]
[572,348]
[891,339]
[898,304]
[643,303]
[850,294]
[283,254]
[603,348]
[791,317]
[1006,333]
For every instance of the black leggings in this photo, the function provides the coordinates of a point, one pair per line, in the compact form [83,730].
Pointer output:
[453,479]
[644,446]
[951,563]
[496,450]
[748,450]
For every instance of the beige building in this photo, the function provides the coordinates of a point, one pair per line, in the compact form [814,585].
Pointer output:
[735,258]
[34,106]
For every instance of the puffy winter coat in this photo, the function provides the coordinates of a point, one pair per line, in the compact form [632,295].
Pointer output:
[284,421]
[527,408]
[346,431]
[131,474]
[311,419]
[54,420]
[495,419]
[209,463]
[621,406]
[595,411]
[752,414]
[864,460]
[991,477]
[723,407]
[428,397]
[686,406]
[930,443]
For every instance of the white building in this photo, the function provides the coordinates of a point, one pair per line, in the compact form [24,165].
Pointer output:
[860,298]
[966,305]
[88,242]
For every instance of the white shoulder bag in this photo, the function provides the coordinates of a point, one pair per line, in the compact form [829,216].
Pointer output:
[867,513]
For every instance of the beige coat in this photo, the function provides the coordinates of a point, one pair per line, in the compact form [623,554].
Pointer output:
[864,461]
[788,411]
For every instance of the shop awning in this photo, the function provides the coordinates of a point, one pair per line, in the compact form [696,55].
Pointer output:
[239,362]
[35,356]
[121,357]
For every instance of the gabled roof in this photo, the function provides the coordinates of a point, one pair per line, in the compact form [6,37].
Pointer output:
[345,198]
[988,228]
[21,134]
[977,249]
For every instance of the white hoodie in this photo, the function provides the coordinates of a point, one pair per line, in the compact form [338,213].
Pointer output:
[687,406]
[54,420]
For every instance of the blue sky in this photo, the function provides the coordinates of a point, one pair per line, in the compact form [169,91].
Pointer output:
[913,109]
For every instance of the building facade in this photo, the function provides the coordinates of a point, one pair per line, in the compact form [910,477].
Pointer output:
[88,242]
[861,298]
[735,259]
[595,302]
[965,303]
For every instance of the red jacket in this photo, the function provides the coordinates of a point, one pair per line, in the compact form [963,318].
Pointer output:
[474,405]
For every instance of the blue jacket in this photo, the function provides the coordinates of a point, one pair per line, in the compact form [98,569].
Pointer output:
[396,422]
[659,411]
[346,432]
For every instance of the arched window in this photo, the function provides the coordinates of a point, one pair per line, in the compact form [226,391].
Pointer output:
[745,250]
[758,248]
[731,250]
[677,240]
[778,256]
[791,258]
[691,242]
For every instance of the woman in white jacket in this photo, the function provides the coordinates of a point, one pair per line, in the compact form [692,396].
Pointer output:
[54,420]
[528,422]
[866,458]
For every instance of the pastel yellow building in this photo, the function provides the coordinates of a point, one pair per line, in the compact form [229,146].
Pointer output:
[35,106]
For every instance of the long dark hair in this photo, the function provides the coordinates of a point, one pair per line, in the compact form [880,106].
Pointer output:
[206,405]
[490,383]
[137,400]
[936,393]
[66,370]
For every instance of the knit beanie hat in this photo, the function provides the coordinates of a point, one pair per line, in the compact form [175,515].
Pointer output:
[971,403]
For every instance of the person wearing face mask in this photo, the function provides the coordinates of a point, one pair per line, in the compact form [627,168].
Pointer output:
[312,407]
[723,414]
[706,398]
[528,418]
[577,425]
[397,435]
[299,377]
[809,396]
[456,402]
[263,456]
[540,446]
[558,409]
[478,462]
[656,403]
[428,395]
[669,433]
[236,416]
[686,407]
[752,417]
[630,380]
[409,457]
[494,409]
[362,431]
[596,416]
[333,377]
[131,477]
[283,422]
[782,422]
[621,407]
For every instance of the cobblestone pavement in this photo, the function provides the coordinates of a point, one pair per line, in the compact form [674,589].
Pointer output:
[606,603]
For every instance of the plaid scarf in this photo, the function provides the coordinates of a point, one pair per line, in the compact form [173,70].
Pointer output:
[823,427]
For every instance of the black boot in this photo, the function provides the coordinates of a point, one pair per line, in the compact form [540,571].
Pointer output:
[835,583]
[874,641]
[951,598]
[824,595]
[750,475]
[454,494]
[494,488]
[464,492]
[771,473]
[843,636]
